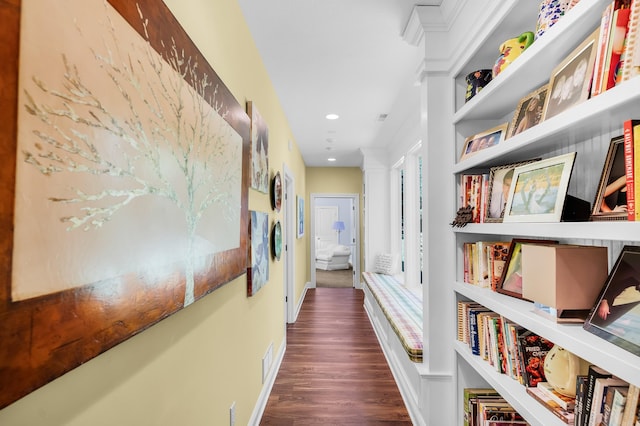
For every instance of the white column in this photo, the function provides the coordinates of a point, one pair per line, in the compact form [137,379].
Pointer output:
[376,204]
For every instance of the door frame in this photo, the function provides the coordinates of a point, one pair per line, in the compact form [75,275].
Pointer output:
[289,231]
[355,257]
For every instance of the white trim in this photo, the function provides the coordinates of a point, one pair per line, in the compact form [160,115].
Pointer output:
[289,230]
[263,398]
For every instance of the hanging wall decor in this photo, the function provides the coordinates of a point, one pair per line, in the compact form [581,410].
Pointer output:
[276,240]
[125,181]
[276,192]
[259,150]
[258,273]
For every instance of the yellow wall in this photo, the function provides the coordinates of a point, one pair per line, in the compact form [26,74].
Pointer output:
[191,367]
[334,180]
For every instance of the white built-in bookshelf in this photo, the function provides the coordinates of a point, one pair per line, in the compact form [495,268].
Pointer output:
[587,129]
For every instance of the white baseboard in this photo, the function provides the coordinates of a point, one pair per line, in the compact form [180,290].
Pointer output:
[263,398]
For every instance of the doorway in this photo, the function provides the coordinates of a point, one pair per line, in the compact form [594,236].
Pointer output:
[335,240]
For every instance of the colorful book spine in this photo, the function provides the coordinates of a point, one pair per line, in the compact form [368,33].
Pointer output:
[629,161]
[636,164]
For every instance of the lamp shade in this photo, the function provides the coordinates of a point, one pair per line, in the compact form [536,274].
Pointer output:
[338,225]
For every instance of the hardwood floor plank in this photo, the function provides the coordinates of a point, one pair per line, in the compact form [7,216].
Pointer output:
[333,371]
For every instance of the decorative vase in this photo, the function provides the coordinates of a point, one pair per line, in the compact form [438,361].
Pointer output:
[475,82]
[550,11]
[511,49]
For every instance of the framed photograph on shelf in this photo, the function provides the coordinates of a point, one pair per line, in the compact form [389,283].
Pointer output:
[500,179]
[611,198]
[571,79]
[483,140]
[615,315]
[529,111]
[539,189]
[511,281]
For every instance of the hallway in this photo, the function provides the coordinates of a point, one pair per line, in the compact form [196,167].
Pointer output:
[333,371]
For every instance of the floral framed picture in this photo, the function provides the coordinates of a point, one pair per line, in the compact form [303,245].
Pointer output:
[539,189]
[511,280]
[614,317]
[529,111]
[570,81]
[500,179]
[611,198]
[483,140]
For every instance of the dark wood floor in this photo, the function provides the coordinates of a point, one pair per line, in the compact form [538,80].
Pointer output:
[333,371]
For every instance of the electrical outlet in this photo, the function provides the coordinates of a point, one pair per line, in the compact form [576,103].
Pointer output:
[232,414]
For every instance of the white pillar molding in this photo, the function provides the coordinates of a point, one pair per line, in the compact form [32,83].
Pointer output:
[375,178]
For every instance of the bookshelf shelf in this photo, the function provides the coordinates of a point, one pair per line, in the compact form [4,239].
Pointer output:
[509,388]
[610,108]
[535,64]
[587,129]
[603,230]
[570,336]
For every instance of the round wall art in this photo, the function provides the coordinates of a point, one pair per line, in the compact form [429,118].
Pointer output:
[276,192]
[276,240]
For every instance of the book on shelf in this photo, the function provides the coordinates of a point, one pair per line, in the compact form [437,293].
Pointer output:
[617,34]
[629,165]
[474,342]
[605,23]
[470,400]
[566,416]
[498,253]
[594,373]
[495,409]
[533,349]
[617,405]
[566,402]
[597,400]
[631,63]
[636,165]
[581,386]
[630,412]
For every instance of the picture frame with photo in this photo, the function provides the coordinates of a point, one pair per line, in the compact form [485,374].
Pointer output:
[511,280]
[570,81]
[483,140]
[529,111]
[611,200]
[498,192]
[539,189]
[615,316]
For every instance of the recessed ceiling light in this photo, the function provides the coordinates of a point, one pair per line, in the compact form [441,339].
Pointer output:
[332,116]
[331,159]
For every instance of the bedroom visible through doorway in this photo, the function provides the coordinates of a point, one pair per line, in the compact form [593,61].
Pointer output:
[334,242]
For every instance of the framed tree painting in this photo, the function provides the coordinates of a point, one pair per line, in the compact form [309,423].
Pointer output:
[127,198]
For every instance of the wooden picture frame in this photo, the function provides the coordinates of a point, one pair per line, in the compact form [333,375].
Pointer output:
[511,280]
[612,186]
[483,140]
[70,326]
[570,81]
[529,111]
[259,150]
[539,189]
[498,193]
[614,316]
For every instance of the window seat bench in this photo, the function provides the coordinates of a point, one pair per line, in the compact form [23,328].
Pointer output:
[402,309]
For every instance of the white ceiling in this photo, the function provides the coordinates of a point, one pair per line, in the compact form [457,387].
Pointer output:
[336,56]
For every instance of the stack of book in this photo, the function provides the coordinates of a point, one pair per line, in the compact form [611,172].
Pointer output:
[485,407]
[601,399]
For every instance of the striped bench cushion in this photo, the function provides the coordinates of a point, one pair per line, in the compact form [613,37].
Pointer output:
[402,308]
